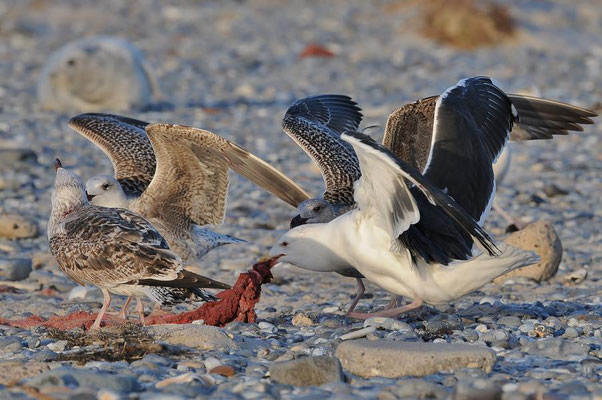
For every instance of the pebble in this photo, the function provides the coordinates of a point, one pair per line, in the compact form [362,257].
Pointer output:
[302,320]
[59,345]
[388,324]
[557,349]
[223,370]
[307,371]
[86,378]
[511,321]
[382,358]
[15,269]
[442,324]
[360,333]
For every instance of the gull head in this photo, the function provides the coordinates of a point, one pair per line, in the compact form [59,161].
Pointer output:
[314,211]
[309,247]
[69,191]
[105,191]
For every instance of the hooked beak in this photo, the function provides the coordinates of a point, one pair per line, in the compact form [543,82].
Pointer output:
[298,220]
[90,196]
[57,164]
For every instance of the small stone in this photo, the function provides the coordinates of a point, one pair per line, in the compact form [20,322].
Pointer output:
[442,324]
[470,335]
[574,277]
[267,327]
[13,226]
[211,363]
[10,345]
[511,321]
[15,269]
[201,337]
[18,155]
[551,190]
[541,238]
[571,333]
[557,349]
[360,333]
[330,310]
[481,328]
[223,370]
[388,324]
[307,371]
[382,357]
[301,319]
[60,345]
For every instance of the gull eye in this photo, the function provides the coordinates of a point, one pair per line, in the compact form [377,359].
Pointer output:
[106,186]
[317,208]
[284,244]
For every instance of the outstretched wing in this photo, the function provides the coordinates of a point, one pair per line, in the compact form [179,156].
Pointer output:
[383,192]
[126,144]
[315,123]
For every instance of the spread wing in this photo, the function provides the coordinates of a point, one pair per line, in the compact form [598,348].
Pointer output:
[385,194]
[126,144]
[316,123]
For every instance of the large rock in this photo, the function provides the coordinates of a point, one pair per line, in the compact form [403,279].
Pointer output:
[15,269]
[541,238]
[13,226]
[393,359]
[307,371]
[96,74]
[202,337]
[557,349]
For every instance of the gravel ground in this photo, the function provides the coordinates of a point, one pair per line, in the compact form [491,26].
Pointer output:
[233,68]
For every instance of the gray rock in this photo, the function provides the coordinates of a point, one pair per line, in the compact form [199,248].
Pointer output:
[541,238]
[394,359]
[15,269]
[442,324]
[59,345]
[14,226]
[86,378]
[511,321]
[10,345]
[307,371]
[44,355]
[470,335]
[557,349]
[202,337]
[96,74]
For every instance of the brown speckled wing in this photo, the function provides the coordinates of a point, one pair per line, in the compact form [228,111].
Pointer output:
[126,144]
[409,131]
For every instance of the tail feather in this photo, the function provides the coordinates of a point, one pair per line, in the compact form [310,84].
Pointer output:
[167,296]
[463,277]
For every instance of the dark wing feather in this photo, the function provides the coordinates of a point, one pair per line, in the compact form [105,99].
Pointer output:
[316,124]
[126,144]
[542,119]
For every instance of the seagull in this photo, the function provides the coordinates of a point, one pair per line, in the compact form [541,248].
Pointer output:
[174,176]
[116,250]
[316,123]
[413,233]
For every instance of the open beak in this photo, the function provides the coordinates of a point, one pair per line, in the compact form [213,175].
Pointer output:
[298,220]
[90,196]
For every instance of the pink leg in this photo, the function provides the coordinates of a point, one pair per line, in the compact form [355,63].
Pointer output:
[140,309]
[101,313]
[360,292]
[392,313]
[393,303]
[123,314]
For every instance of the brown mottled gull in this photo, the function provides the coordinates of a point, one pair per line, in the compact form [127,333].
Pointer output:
[115,249]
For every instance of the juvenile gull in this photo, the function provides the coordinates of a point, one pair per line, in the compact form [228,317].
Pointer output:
[407,235]
[115,249]
[174,176]
[315,123]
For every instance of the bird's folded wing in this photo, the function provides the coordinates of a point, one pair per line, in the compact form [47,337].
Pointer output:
[315,124]
[126,144]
